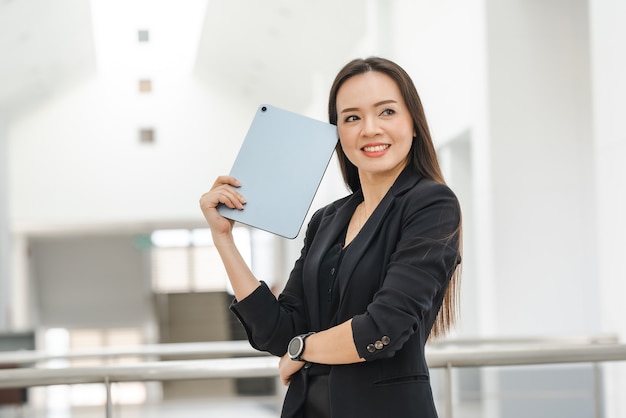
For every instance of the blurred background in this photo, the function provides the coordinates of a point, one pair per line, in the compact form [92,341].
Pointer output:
[116,115]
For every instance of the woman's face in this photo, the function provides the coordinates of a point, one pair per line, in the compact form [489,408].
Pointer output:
[374,124]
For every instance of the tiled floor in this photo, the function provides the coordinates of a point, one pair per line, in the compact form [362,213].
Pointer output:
[208,404]
[241,407]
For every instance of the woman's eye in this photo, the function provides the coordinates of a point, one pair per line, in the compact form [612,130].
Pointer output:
[351,118]
[388,112]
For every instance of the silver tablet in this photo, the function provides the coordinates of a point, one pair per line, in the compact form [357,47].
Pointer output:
[280,166]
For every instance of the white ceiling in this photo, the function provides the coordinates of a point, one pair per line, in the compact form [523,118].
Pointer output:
[277,47]
[251,49]
[45,46]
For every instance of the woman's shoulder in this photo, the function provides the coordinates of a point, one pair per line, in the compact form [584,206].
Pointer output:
[411,184]
[422,188]
[332,207]
[429,186]
[427,193]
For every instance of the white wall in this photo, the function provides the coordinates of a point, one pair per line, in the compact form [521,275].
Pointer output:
[609,105]
[609,100]
[5,258]
[79,160]
[542,167]
[441,45]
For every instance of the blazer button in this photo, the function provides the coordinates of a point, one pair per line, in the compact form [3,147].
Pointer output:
[371,348]
[379,345]
[385,340]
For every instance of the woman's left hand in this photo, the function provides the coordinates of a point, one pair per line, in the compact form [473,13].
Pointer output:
[288,368]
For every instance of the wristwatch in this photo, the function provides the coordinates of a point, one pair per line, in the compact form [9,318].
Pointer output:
[296,346]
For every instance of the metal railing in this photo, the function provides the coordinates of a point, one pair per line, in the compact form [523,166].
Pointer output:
[446,355]
[205,349]
[239,348]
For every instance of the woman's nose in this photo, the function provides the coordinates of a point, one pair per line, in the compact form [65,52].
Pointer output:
[370,126]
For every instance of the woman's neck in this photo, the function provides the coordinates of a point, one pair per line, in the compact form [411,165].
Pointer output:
[374,188]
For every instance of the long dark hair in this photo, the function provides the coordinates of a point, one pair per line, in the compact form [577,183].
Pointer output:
[422,158]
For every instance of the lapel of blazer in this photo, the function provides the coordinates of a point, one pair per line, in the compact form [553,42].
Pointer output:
[362,241]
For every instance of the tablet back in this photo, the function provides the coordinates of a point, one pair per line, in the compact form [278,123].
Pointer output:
[280,165]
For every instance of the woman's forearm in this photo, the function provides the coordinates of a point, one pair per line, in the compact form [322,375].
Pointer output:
[241,277]
[332,346]
[224,192]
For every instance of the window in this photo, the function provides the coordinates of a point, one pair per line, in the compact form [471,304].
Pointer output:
[187,261]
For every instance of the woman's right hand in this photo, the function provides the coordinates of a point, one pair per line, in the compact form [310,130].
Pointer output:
[223,191]
[287,368]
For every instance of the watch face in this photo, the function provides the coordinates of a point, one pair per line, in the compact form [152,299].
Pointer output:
[295,347]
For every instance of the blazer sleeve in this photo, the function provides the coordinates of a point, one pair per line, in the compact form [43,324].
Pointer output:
[271,323]
[417,274]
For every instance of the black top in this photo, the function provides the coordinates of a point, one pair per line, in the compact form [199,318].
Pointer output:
[329,292]
[328,289]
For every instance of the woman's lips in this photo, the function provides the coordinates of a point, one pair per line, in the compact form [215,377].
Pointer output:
[375,148]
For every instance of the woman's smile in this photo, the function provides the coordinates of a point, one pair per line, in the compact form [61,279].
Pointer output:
[375,150]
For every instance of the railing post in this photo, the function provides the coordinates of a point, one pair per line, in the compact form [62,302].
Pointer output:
[109,403]
[449,411]
[597,391]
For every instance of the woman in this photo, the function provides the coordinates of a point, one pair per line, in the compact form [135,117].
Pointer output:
[378,269]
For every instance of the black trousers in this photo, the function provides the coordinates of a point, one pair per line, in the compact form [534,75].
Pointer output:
[317,404]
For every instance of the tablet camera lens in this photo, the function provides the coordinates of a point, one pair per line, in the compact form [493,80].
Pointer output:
[263,109]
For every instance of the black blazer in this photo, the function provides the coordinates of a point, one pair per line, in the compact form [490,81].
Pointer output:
[392,281]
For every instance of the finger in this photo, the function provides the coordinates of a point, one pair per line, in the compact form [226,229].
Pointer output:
[232,199]
[230,180]
[225,185]
[225,195]
[232,203]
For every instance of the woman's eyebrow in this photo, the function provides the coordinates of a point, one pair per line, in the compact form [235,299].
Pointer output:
[382,102]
